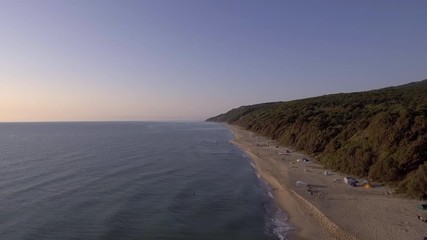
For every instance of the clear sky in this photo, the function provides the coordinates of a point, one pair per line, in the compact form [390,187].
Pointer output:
[188,60]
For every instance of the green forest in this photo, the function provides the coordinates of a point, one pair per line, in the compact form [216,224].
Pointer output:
[380,134]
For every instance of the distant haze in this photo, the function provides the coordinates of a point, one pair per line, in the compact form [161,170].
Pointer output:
[188,60]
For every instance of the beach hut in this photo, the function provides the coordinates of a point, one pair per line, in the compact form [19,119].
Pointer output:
[350,181]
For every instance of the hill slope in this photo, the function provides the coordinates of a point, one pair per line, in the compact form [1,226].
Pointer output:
[380,133]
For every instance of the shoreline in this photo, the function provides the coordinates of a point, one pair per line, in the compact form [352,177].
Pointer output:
[332,209]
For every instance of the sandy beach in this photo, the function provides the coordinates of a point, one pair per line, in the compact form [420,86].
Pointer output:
[328,208]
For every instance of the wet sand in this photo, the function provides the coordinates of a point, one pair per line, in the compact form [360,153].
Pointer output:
[328,208]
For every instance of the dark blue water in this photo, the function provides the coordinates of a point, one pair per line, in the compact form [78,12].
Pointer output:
[132,180]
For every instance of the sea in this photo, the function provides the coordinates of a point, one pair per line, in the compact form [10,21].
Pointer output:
[131,180]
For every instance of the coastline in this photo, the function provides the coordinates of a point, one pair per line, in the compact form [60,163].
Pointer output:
[331,209]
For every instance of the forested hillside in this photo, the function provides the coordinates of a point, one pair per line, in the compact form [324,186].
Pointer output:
[381,134]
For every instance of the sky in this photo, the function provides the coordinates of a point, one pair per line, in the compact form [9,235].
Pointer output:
[178,60]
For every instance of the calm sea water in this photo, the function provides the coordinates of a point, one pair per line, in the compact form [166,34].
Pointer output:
[130,180]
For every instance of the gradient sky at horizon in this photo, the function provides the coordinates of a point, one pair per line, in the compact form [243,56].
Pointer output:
[88,60]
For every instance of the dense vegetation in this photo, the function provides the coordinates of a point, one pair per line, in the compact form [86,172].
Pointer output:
[379,134]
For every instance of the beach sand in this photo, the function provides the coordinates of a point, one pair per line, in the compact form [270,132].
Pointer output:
[333,209]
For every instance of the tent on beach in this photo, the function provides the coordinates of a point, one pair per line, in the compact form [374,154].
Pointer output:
[350,181]
[301,184]
[422,206]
